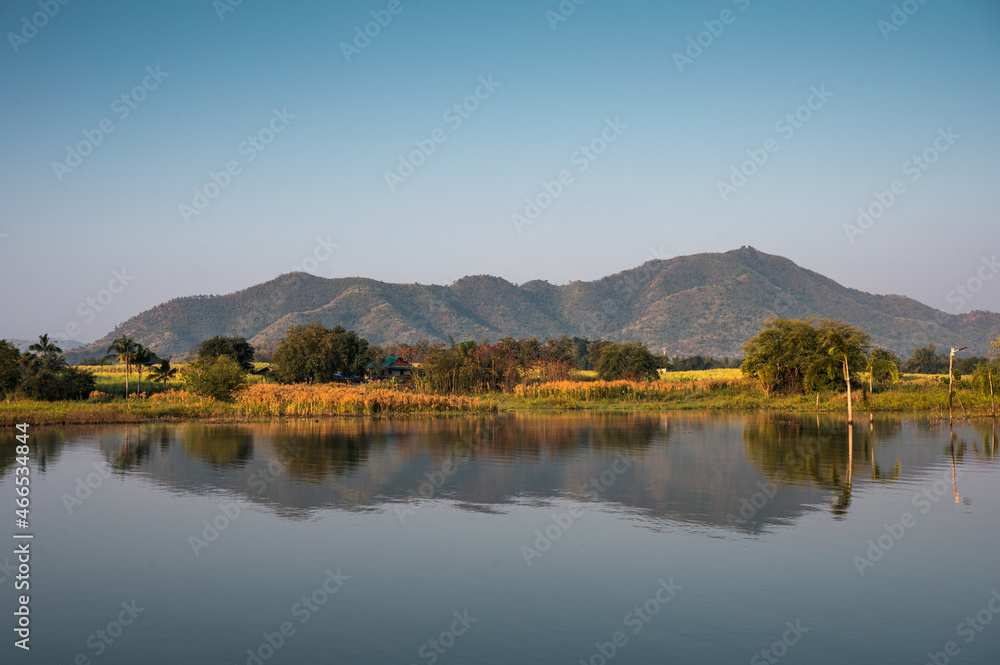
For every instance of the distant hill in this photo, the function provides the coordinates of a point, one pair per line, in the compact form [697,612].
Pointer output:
[698,304]
[65,345]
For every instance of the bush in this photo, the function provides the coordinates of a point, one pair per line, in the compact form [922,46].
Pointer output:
[219,379]
[10,368]
[630,360]
[51,385]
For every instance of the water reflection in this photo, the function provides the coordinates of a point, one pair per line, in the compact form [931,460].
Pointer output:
[742,473]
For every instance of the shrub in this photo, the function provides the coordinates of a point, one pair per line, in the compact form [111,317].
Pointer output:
[62,384]
[219,379]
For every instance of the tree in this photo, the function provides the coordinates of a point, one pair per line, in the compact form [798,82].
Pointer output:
[219,379]
[840,348]
[122,349]
[925,360]
[236,348]
[985,376]
[882,365]
[989,371]
[778,356]
[628,360]
[162,372]
[44,347]
[793,355]
[141,357]
[10,368]
[312,353]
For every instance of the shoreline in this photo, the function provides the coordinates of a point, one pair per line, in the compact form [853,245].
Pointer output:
[141,411]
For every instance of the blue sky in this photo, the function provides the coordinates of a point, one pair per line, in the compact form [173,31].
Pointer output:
[226,82]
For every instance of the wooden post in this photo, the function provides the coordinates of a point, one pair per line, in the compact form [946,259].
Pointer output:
[847,378]
[951,379]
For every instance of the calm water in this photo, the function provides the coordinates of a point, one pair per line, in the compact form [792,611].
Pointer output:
[510,539]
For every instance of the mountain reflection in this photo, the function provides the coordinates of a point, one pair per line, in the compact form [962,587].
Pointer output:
[742,473]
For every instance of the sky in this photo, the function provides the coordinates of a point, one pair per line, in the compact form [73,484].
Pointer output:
[152,150]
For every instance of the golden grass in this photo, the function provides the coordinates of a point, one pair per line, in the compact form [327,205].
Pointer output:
[625,391]
[702,375]
[337,399]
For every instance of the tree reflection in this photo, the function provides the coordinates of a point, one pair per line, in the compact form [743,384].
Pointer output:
[218,445]
[806,450]
[45,445]
[131,452]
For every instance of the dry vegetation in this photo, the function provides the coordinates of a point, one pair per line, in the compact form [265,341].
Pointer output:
[337,399]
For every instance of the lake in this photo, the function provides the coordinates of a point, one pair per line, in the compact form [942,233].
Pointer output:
[687,538]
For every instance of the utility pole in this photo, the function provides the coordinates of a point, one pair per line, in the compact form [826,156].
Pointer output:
[951,378]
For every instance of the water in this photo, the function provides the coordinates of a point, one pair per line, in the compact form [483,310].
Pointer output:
[510,539]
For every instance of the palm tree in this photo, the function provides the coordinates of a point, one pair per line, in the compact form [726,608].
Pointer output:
[141,357]
[162,372]
[123,348]
[838,351]
[44,346]
[880,363]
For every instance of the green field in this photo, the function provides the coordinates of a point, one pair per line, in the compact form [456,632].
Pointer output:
[111,380]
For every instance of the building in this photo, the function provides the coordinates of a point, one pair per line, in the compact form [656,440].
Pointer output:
[394,367]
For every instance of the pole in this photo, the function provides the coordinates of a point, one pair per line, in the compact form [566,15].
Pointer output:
[951,379]
[847,378]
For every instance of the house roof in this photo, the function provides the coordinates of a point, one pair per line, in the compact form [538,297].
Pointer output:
[392,361]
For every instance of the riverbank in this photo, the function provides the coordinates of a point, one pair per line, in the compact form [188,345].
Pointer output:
[685,392]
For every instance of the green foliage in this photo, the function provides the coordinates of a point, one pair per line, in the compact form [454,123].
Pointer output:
[44,347]
[883,365]
[162,372]
[122,349]
[236,348]
[698,363]
[218,379]
[65,383]
[10,368]
[795,355]
[987,377]
[312,353]
[926,360]
[479,367]
[41,375]
[628,360]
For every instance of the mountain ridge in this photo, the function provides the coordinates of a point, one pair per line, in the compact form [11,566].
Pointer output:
[708,303]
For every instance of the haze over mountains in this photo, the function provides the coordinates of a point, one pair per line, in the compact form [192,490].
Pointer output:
[699,304]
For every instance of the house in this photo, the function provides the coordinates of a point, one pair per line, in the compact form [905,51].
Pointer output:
[394,367]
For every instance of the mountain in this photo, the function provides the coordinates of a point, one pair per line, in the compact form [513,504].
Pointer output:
[65,345]
[700,304]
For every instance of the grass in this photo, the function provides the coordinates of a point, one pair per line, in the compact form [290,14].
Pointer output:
[257,402]
[337,399]
[702,375]
[726,390]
